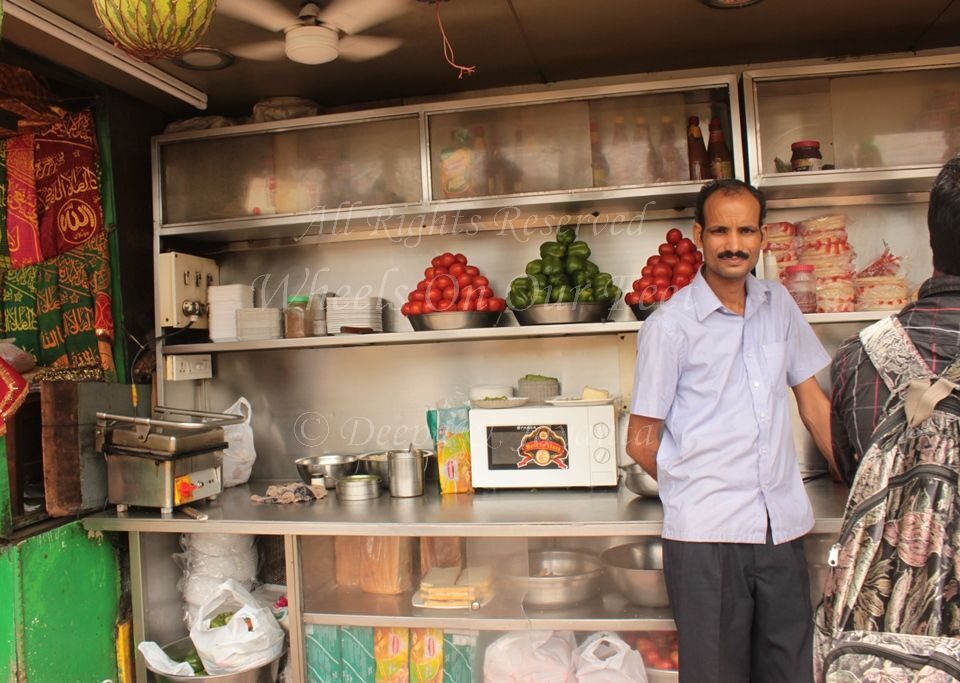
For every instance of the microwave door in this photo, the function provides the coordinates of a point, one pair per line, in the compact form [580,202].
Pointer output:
[532,455]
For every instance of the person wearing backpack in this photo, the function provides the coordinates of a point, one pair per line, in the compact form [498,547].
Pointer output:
[713,366]
[891,603]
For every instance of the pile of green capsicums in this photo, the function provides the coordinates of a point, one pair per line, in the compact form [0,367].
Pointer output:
[564,273]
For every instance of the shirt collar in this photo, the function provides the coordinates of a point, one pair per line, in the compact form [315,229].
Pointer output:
[940,285]
[705,301]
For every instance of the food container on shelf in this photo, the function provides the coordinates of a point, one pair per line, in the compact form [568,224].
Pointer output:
[643,311]
[327,469]
[559,314]
[406,473]
[358,487]
[480,392]
[638,481]
[179,650]
[538,390]
[454,320]
[377,463]
[553,578]
[637,571]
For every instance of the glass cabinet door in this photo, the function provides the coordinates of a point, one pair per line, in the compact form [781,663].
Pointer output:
[861,121]
[301,170]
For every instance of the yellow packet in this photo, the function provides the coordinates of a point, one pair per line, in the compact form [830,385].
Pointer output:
[426,655]
[391,652]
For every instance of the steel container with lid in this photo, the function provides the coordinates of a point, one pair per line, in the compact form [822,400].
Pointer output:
[358,487]
[406,473]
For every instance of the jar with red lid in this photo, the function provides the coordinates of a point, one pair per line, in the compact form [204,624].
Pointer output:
[801,282]
[806,156]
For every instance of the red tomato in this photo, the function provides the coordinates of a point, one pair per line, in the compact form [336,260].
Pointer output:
[484,292]
[653,260]
[445,305]
[464,280]
[689,257]
[460,258]
[636,285]
[472,271]
[674,236]
[480,281]
[417,295]
[670,259]
[663,294]
[661,282]
[644,283]
[631,299]
[466,305]
[447,259]
[456,269]
[405,309]
[665,249]
[468,291]
[423,284]
[662,270]
[430,273]
[497,304]
[450,293]
[444,281]
[414,308]
[649,295]
[646,271]
[437,261]
[686,246]
[680,281]
[428,306]
[483,303]
[684,268]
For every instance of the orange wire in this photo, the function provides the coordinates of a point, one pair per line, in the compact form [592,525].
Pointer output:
[448,49]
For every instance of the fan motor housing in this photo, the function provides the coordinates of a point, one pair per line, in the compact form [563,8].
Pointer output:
[312,44]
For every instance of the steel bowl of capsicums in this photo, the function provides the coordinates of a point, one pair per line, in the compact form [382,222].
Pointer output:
[563,285]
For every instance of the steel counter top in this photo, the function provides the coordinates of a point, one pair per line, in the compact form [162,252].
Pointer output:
[488,513]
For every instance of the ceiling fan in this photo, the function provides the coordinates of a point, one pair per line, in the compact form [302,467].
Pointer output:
[318,33]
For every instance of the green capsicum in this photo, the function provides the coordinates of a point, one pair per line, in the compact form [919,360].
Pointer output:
[539,297]
[518,300]
[579,248]
[539,281]
[586,295]
[591,268]
[558,279]
[562,294]
[572,264]
[554,249]
[535,266]
[551,265]
[600,280]
[580,278]
[566,235]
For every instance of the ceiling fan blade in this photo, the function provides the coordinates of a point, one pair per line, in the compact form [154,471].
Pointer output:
[362,48]
[267,14]
[353,16]
[267,51]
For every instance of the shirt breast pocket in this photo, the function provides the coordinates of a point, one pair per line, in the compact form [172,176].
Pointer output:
[775,364]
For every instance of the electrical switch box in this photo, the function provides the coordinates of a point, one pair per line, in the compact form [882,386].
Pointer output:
[193,366]
[184,279]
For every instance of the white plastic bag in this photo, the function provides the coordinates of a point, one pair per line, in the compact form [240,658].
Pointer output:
[250,639]
[606,658]
[161,662]
[530,657]
[239,456]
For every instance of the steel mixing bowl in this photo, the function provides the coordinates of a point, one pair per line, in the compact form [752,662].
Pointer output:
[331,467]
[562,313]
[553,578]
[637,570]
[453,320]
[637,480]
[179,650]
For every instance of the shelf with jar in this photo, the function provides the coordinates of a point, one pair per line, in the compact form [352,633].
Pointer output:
[864,127]
[584,148]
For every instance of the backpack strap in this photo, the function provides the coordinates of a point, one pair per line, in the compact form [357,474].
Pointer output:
[893,354]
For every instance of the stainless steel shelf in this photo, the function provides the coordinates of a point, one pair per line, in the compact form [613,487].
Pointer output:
[841,183]
[352,607]
[478,334]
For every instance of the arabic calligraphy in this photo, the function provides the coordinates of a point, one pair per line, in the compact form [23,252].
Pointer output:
[77,221]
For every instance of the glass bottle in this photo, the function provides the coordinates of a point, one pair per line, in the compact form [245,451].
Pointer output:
[721,161]
[455,165]
[295,317]
[645,157]
[619,154]
[672,164]
[697,151]
[601,170]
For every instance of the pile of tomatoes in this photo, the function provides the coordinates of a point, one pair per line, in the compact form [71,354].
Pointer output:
[451,284]
[666,272]
[657,648]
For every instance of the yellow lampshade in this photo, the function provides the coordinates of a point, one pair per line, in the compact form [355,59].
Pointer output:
[157,29]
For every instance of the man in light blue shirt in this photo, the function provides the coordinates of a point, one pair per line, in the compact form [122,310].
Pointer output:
[713,367]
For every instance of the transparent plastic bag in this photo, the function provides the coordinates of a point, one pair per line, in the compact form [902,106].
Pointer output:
[531,657]
[240,454]
[606,658]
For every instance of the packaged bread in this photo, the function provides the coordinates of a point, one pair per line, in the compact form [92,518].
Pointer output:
[386,564]
[391,654]
[348,551]
[440,551]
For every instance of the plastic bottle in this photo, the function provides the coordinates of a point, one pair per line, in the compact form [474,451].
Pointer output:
[802,284]
[721,161]
[673,167]
[645,157]
[697,151]
[455,166]
[771,270]
[619,155]
[601,170]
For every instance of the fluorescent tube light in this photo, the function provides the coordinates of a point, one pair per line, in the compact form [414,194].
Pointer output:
[58,28]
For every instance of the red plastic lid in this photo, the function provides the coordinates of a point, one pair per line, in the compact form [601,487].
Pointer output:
[802,268]
[801,144]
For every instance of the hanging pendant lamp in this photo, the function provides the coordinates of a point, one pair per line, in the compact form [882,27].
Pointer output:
[155,30]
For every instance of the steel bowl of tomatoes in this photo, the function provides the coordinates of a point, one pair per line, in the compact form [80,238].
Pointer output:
[671,269]
[452,295]
[659,652]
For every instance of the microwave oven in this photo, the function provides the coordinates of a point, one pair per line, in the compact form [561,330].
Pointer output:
[543,446]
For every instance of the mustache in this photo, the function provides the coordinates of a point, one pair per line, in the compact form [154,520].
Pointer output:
[733,254]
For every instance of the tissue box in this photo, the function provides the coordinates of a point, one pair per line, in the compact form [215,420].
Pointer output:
[356,655]
[323,654]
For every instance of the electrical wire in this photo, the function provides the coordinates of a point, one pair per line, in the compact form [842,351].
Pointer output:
[144,347]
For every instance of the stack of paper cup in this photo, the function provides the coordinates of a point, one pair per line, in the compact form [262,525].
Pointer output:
[224,300]
[317,312]
[259,323]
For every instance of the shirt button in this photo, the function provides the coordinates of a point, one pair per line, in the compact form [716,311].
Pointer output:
[756,384]
[749,355]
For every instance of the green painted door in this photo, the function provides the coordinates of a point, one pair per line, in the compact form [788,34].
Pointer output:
[64,590]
